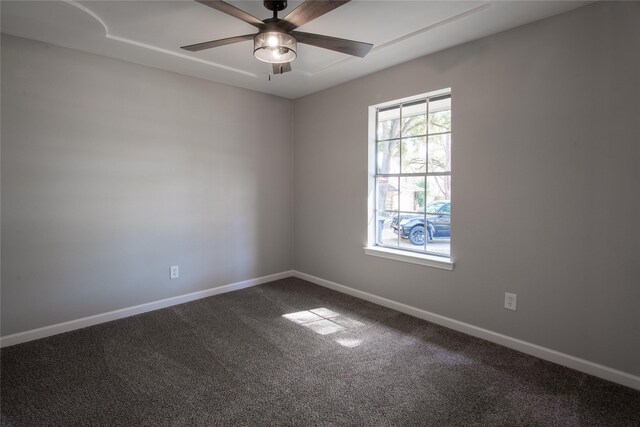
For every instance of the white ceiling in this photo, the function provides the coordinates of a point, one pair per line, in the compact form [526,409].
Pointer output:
[151,33]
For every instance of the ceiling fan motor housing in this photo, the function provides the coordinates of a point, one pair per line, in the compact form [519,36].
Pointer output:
[275,5]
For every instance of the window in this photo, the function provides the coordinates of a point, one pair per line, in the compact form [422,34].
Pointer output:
[411,207]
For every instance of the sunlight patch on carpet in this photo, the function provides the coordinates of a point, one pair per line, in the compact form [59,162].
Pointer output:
[323,321]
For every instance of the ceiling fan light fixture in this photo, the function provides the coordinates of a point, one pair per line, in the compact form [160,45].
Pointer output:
[275,47]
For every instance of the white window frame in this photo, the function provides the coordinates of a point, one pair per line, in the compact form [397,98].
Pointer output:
[372,247]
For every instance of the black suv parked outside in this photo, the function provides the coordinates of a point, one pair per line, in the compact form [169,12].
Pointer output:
[411,226]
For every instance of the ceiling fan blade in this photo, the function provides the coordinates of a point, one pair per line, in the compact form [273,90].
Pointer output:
[309,10]
[281,68]
[350,47]
[215,43]
[233,11]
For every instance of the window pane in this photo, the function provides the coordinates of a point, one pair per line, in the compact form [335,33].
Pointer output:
[439,229]
[440,153]
[414,155]
[438,218]
[439,245]
[387,193]
[386,228]
[389,157]
[440,115]
[436,206]
[412,194]
[414,119]
[438,189]
[389,123]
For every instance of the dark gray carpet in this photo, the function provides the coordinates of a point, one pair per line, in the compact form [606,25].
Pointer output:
[233,359]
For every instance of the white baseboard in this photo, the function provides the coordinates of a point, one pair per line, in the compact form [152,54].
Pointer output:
[554,356]
[71,325]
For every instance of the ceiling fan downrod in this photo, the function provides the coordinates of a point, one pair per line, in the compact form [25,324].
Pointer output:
[275,6]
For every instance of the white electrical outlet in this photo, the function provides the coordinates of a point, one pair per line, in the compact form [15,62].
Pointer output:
[175,272]
[510,301]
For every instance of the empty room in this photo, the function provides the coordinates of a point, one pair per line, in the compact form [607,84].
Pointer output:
[320,213]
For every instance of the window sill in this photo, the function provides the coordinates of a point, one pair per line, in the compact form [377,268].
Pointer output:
[414,258]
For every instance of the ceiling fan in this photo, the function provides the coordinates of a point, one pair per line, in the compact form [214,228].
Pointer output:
[276,41]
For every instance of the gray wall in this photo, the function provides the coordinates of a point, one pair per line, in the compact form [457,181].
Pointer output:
[546,148]
[112,172]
